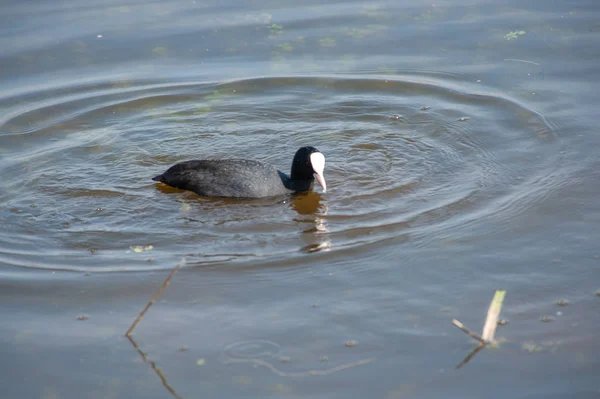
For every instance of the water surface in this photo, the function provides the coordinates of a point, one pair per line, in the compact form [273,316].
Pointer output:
[460,141]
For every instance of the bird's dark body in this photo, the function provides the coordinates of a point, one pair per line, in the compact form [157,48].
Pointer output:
[234,178]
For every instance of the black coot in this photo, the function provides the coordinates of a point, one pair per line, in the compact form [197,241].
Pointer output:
[242,178]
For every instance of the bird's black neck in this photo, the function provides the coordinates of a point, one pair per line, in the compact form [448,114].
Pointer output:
[297,184]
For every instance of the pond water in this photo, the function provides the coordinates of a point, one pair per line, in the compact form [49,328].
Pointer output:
[461,143]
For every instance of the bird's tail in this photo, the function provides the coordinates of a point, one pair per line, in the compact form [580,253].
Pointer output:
[158,178]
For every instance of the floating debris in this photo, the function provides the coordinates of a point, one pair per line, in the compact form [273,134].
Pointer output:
[324,359]
[463,118]
[183,349]
[396,117]
[351,343]
[502,322]
[531,347]
[547,319]
[327,42]
[82,317]
[598,293]
[514,34]
[562,302]
[141,248]
[285,359]
[425,108]
[200,362]
[275,30]
[160,51]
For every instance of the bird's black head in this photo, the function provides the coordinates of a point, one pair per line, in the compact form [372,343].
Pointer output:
[309,164]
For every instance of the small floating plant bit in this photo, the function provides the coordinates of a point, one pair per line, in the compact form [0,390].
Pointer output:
[425,108]
[463,118]
[327,42]
[562,302]
[489,328]
[141,248]
[396,117]
[514,34]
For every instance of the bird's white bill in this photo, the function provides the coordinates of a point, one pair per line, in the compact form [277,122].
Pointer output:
[317,161]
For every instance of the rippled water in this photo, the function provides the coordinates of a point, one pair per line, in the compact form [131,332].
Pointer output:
[459,161]
[406,158]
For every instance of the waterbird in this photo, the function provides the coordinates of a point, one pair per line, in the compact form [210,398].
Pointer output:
[244,178]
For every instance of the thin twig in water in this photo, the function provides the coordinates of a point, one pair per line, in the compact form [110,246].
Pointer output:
[472,334]
[470,355]
[156,369]
[155,297]
[301,373]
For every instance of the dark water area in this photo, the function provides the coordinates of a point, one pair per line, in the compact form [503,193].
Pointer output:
[461,141]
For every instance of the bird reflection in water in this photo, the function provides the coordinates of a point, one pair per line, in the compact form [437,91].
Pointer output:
[312,208]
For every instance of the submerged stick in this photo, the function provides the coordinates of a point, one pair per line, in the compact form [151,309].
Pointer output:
[470,355]
[159,373]
[155,297]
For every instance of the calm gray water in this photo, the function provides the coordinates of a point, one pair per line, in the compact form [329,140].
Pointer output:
[462,145]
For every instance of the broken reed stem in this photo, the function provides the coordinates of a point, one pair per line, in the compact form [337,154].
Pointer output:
[491,321]
[489,328]
[154,298]
[472,334]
